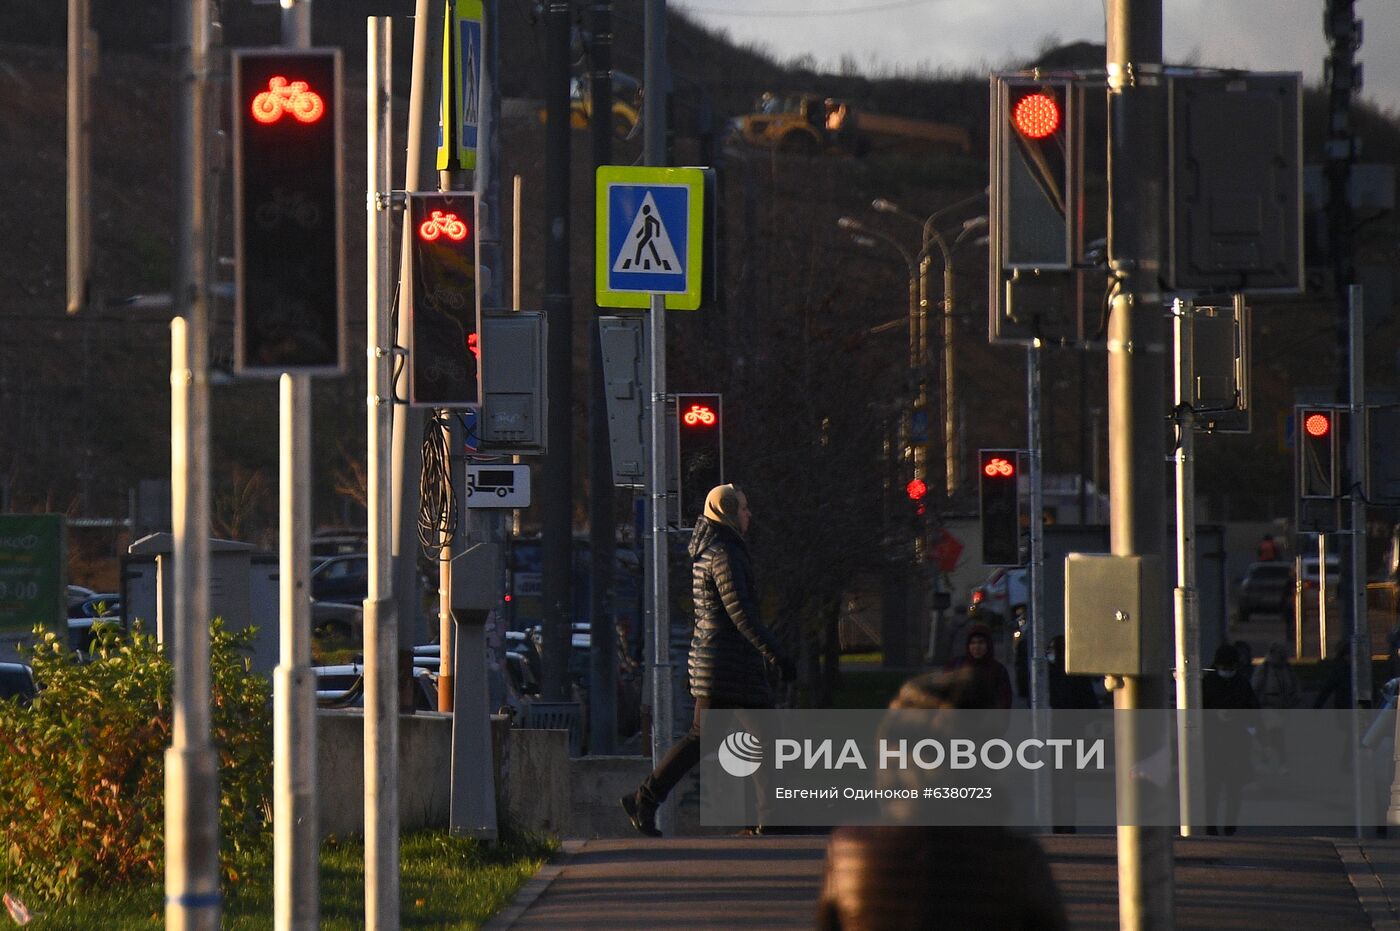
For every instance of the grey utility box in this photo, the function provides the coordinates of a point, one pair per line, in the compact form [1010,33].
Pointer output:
[514,403]
[150,584]
[625,362]
[1113,614]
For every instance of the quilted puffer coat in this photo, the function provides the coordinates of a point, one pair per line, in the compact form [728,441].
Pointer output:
[731,648]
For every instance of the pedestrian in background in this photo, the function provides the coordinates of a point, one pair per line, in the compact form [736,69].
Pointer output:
[1229,765]
[981,660]
[1268,549]
[1337,685]
[1067,693]
[731,650]
[1276,687]
[902,877]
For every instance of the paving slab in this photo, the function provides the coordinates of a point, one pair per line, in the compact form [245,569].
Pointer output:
[773,882]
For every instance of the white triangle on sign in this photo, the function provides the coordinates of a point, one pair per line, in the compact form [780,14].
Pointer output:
[648,248]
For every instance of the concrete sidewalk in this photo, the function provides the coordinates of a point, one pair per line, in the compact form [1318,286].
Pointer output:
[772,882]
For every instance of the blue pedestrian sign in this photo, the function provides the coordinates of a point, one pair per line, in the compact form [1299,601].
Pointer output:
[650,236]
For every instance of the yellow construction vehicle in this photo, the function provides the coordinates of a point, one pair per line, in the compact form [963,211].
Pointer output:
[809,124]
[626,104]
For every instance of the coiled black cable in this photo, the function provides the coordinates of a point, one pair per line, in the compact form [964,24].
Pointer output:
[437,508]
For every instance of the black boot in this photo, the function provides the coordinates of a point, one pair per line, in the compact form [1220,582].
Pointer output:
[641,811]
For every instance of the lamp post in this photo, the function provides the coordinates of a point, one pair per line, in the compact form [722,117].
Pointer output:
[932,237]
[895,626]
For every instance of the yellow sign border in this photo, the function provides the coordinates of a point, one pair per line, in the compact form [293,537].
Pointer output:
[691,178]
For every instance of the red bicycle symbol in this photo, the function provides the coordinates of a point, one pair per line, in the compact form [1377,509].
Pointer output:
[293,97]
[698,414]
[443,223]
[999,466]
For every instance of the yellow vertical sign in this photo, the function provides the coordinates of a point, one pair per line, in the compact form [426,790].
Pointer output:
[459,115]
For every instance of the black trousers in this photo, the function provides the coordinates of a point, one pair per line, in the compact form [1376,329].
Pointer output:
[684,754]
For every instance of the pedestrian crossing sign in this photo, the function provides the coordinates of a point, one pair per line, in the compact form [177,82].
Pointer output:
[650,236]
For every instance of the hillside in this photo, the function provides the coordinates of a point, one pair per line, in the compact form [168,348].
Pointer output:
[809,392]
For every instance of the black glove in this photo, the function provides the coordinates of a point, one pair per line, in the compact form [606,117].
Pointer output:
[787,669]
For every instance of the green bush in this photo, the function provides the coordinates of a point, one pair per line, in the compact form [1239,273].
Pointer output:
[82,793]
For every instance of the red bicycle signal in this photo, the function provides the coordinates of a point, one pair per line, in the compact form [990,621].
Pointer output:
[440,224]
[997,466]
[293,97]
[699,415]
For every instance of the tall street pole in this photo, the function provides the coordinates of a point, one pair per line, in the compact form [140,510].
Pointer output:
[557,498]
[296,838]
[654,154]
[1136,399]
[381,618]
[602,537]
[192,894]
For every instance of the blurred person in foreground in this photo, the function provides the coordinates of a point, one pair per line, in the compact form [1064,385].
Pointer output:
[902,877]
[731,651]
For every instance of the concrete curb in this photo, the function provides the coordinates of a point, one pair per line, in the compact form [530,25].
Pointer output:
[533,888]
[1370,889]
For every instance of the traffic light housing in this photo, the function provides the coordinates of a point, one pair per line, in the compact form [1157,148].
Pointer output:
[1035,181]
[445,311]
[998,473]
[289,292]
[1320,434]
[1035,211]
[699,452]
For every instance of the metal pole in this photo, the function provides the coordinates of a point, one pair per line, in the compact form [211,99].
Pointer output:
[1136,397]
[296,23]
[654,145]
[557,498]
[1360,621]
[297,844]
[1185,598]
[1297,603]
[602,539]
[381,737]
[1040,686]
[1322,595]
[1361,626]
[296,838]
[82,56]
[951,454]
[192,895]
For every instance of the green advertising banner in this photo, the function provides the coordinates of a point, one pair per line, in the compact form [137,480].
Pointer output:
[32,589]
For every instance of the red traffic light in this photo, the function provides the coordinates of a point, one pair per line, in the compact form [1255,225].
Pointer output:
[916,489]
[1318,425]
[1036,115]
[998,467]
[291,97]
[443,223]
[699,415]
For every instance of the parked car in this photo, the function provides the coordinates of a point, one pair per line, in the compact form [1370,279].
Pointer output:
[1000,596]
[77,594]
[1334,571]
[102,604]
[1267,588]
[17,681]
[341,578]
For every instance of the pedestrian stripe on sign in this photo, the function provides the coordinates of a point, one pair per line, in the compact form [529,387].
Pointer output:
[648,247]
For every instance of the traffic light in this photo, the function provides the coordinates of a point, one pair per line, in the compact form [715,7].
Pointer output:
[699,452]
[1034,182]
[446,308]
[1319,432]
[289,304]
[998,480]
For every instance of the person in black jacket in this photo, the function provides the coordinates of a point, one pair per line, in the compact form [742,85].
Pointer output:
[731,650]
[1224,691]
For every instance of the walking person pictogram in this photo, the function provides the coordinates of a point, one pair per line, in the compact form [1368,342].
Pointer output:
[646,239]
